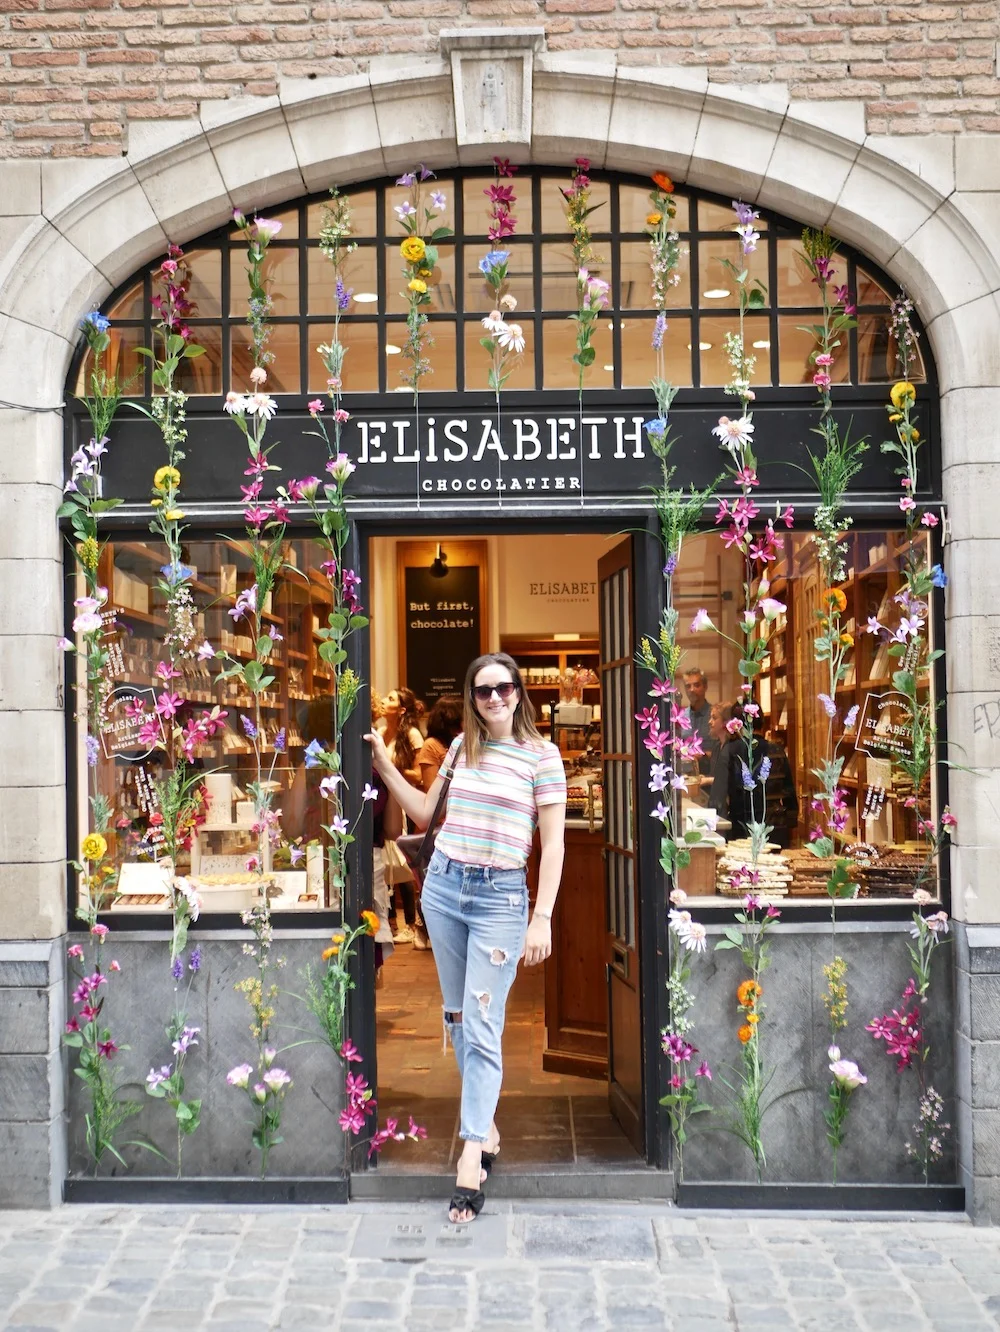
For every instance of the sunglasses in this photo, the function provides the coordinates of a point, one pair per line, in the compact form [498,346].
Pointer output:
[485,692]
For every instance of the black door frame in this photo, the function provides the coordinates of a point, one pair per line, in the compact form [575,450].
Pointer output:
[639,522]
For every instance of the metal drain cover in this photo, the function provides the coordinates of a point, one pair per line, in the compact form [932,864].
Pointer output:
[410,1238]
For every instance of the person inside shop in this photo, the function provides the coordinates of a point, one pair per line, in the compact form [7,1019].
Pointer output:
[444,723]
[699,711]
[403,740]
[779,805]
[387,824]
[725,745]
[505,780]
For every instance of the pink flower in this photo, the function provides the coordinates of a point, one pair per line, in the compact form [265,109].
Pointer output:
[948,819]
[74,950]
[99,931]
[340,416]
[115,966]
[703,1070]
[822,380]
[167,705]
[169,266]
[824,358]
[929,519]
[349,1053]
[315,407]
[907,503]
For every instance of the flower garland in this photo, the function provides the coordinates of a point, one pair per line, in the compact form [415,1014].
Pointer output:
[592,293]
[265,547]
[687,937]
[504,343]
[419,258]
[335,242]
[664,245]
[167,1082]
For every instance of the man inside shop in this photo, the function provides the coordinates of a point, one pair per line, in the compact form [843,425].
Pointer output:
[699,710]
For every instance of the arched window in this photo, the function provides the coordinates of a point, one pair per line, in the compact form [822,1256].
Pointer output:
[544,282]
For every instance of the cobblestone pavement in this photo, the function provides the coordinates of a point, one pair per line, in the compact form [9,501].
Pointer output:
[521,1265]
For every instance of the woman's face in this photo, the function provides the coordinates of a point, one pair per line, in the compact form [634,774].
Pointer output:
[496,712]
[390,704]
[716,726]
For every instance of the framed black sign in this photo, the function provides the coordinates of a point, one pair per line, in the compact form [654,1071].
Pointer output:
[442,594]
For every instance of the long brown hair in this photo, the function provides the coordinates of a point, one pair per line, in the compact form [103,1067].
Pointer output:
[476,730]
[403,753]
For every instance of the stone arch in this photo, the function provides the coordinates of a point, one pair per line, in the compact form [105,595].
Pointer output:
[85,226]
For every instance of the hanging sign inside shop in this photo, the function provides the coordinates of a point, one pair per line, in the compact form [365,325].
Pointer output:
[885,728]
[123,717]
[442,628]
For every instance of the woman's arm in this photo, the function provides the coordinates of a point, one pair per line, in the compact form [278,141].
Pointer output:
[552,832]
[416,805]
[392,819]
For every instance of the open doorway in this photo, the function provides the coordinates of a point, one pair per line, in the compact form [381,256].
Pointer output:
[436,604]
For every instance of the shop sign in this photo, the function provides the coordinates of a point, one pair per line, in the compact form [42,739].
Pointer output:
[885,728]
[122,719]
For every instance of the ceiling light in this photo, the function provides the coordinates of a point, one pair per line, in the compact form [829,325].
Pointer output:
[715,294]
[391,349]
[702,346]
[402,388]
[610,369]
[762,346]
[366,297]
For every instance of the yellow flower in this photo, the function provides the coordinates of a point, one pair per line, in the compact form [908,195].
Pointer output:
[173,515]
[914,433]
[895,416]
[748,993]
[330,952]
[847,639]
[155,503]
[753,1019]
[166,477]
[370,919]
[835,598]
[418,285]
[412,249]
[88,552]
[653,219]
[424,272]
[902,394]
[93,847]
[745,1034]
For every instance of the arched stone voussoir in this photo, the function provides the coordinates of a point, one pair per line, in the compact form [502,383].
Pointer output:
[176,168]
[571,110]
[253,150]
[737,133]
[654,119]
[334,129]
[415,112]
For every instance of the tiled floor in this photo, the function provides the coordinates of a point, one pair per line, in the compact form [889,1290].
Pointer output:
[544,1118]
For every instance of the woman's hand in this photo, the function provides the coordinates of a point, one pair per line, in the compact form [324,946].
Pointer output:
[537,942]
[380,755]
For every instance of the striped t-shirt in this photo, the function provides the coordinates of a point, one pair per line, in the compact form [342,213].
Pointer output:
[492,810]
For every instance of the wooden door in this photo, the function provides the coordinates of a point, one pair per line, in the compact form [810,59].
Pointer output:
[615,581]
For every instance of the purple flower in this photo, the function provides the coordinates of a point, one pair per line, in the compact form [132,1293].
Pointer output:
[670,567]
[343,295]
[703,1070]
[764,771]
[744,213]
[177,968]
[746,776]
[93,751]
[187,1038]
[248,727]
[194,961]
[279,741]
[659,328]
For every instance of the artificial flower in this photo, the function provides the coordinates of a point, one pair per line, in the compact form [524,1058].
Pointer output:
[371,921]
[902,394]
[745,1033]
[662,181]
[166,477]
[93,847]
[417,285]
[413,249]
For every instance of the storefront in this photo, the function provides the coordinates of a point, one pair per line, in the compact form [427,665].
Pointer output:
[523,521]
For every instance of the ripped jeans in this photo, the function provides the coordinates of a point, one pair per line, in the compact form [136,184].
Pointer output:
[476,918]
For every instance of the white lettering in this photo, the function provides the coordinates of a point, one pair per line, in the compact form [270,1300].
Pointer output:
[526,432]
[431,451]
[368,444]
[557,437]
[489,440]
[634,435]
[593,422]
[452,455]
[401,429]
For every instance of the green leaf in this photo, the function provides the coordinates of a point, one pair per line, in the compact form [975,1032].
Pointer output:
[903,681]
[193,350]
[726,943]
[757,300]
[692,836]
[264,644]
[358,622]
[328,652]
[749,668]
[66,508]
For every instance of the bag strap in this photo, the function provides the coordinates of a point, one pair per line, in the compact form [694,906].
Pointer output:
[425,845]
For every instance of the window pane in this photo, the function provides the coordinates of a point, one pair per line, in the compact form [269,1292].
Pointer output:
[477,206]
[289,220]
[398,195]
[478,361]
[795,347]
[639,357]
[297,702]
[715,367]
[554,205]
[870,292]
[202,374]
[440,351]
[282,372]
[559,344]
[636,278]
[129,305]
[363,206]
[795,280]
[877,361]
[281,273]
[359,274]
[634,206]
[520,270]
[120,359]
[206,283]
[559,275]
[440,284]
[717,287]
[360,373]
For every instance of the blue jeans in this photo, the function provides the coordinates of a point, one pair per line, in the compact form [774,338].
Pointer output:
[476,918]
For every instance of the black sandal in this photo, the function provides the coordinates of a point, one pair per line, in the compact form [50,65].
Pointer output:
[489,1160]
[466,1200]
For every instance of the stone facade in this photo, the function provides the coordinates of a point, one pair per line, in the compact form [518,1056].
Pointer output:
[903,164]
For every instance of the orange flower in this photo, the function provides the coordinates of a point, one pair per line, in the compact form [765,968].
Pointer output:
[748,993]
[663,182]
[330,952]
[371,921]
[745,1033]
[835,598]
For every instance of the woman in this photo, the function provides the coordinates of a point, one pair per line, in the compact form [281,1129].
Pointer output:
[507,781]
[444,723]
[403,739]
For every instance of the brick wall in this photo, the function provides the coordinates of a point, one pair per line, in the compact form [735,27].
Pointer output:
[73,73]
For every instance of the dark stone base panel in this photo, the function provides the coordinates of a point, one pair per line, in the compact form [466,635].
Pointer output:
[825,1197]
[140,1190]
